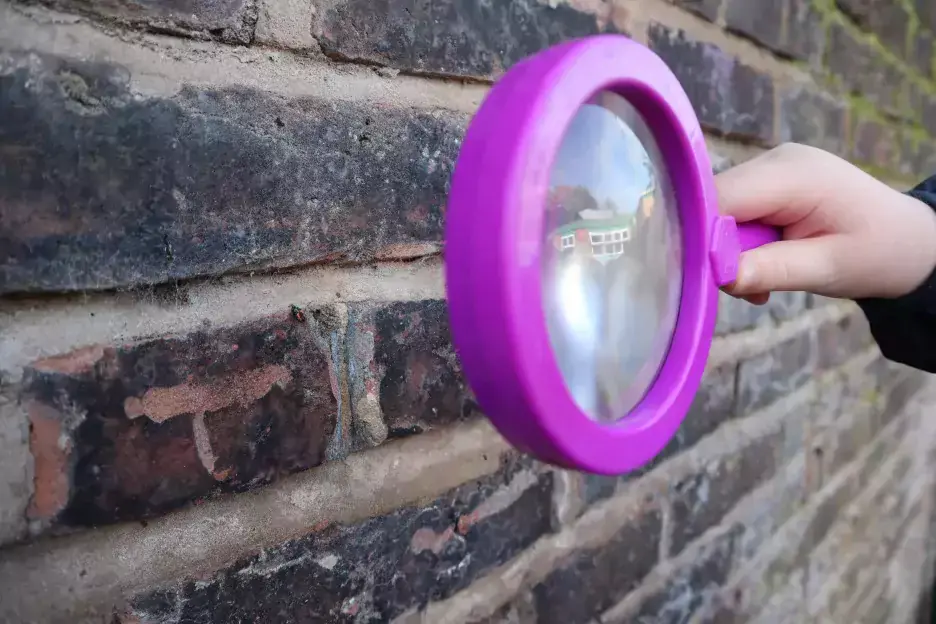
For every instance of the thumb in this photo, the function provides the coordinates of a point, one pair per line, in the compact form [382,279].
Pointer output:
[793,265]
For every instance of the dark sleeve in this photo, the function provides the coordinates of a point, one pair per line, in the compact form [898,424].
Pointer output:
[905,328]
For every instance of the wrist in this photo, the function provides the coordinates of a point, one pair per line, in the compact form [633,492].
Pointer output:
[917,251]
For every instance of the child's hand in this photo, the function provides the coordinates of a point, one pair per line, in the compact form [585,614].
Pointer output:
[845,234]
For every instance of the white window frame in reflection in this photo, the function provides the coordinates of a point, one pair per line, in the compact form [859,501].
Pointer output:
[609,244]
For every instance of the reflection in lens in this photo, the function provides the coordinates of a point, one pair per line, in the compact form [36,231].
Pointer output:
[612,262]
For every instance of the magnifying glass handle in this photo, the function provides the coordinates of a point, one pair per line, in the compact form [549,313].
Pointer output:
[730,238]
[753,234]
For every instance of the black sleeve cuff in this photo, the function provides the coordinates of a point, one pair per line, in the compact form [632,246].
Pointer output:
[905,328]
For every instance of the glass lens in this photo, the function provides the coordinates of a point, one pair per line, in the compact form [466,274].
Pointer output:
[612,262]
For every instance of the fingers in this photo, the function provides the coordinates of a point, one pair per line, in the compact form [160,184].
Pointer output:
[779,187]
[786,266]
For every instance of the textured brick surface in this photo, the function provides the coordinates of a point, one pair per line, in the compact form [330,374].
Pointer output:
[705,8]
[789,27]
[888,20]
[841,340]
[689,588]
[203,451]
[129,431]
[591,581]
[813,118]
[921,50]
[873,143]
[729,97]
[700,501]
[231,21]
[16,467]
[765,378]
[862,71]
[457,37]
[422,384]
[224,187]
[759,20]
[373,571]
[404,377]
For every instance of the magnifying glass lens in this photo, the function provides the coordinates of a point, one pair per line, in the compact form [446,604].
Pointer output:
[612,262]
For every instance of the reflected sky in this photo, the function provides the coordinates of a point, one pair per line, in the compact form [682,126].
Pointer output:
[602,153]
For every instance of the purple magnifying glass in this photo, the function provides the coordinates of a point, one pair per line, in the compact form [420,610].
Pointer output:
[584,253]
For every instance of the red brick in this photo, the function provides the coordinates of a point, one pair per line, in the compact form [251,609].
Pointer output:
[402,356]
[154,425]
[52,455]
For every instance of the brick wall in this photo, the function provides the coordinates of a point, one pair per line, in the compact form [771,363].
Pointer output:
[227,389]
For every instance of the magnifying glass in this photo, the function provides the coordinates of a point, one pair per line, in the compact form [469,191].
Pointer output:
[584,252]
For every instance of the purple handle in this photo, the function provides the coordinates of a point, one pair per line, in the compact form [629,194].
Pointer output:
[753,234]
[729,239]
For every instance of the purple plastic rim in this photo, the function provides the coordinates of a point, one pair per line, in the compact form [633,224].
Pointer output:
[494,238]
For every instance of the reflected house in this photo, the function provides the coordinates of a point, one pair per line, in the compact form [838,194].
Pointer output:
[586,227]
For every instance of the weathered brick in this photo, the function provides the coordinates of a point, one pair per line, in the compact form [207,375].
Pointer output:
[806,36]
[874,143]
[849,438]
[888,20]
[899,393]
[375,570]
[16,466]
[790,28]
[760,20]
[405,368]
[231,21]
[813,118]
[596,488]
[100,188]
[714,404]
[706,8]
[736,315]
[771,375]
[839,341]
[862,71]
[729,97]
[130,431]
[689,588]
[916,158]
[926,107]
[521,610]
[926,11]
[590,581]
[700,501]
[877,610]
[847,581]
[776,503]
[455,37]
[921,51]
